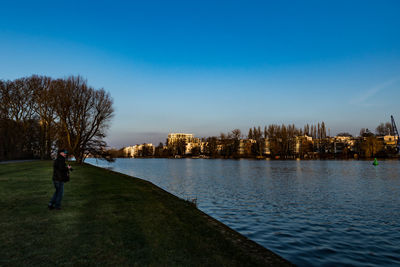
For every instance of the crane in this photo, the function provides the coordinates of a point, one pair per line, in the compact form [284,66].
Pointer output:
[396,134]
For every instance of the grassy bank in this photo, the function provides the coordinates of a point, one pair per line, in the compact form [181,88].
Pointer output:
[111,219]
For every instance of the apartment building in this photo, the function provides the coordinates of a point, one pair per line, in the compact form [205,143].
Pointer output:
[139,150]
[175,137]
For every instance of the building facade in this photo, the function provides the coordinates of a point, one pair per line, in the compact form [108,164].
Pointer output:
[144,150]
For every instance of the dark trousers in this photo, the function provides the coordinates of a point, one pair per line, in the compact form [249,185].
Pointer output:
[57,196]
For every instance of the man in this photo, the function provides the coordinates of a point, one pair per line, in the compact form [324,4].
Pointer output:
[60,176]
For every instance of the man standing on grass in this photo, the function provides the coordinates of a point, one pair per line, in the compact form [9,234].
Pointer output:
[60,176]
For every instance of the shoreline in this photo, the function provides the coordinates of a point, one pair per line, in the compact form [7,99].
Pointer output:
[260,159]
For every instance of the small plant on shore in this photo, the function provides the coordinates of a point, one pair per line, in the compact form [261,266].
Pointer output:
[192,202]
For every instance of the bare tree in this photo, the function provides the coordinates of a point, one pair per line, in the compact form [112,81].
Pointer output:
[384,129]
[44,99]
[84,115]
[18,125]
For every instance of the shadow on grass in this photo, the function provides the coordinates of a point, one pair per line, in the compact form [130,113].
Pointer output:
[96,225]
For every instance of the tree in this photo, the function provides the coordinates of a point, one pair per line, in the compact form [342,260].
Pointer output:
[370,146]
[235,135]
[37,112]
[365,133]
[180,147]
[345,134]
[384,129]
[159,150]
[44,98]
[147,150]
[323,130]
[18,122]
[211,147]
[250,134]
[84,114]
[257,135]
[195,151]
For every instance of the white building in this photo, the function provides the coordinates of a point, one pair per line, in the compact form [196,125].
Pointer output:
[175,137]
[137,150]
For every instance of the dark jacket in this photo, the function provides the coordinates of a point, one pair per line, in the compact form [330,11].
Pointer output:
[60,170]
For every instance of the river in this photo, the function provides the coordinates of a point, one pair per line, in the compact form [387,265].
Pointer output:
[313,213]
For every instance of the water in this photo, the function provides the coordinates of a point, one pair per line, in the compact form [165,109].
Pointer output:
[313,213]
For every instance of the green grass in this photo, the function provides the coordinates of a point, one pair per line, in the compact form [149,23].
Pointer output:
[110,219]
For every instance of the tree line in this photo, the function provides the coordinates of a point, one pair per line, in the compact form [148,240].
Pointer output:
[280,141]
[39,114]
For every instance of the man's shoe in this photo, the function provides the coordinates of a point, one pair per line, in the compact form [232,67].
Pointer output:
[50,207]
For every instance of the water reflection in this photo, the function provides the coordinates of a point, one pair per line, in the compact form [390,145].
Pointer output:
[311,212]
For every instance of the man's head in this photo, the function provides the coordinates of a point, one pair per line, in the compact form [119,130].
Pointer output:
[63,152]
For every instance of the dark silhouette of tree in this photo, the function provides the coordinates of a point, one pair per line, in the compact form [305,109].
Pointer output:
[211,147]
[384,129]
[250,134]
[84,114]
[44,98]
[345,134]
[38,113]
[195,151]
[371,146]
[365,133]
[146,151]
[159,151]
[18,121]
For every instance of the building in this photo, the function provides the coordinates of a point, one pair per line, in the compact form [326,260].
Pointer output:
[245,146]
[390,140]
[188,140]
[343,143]
[301,143]
[175,137]
[144,150]
[190,146]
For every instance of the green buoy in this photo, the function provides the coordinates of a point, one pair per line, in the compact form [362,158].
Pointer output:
[375,163]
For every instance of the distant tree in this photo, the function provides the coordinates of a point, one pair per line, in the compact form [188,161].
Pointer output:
[323,130]
[307,129]
[147,151]
[181,147]
[250,134]
[370,146]
[235,135]
[265,134]
[257,148]
[365,133]
[344,134]
[159,150]
[384,129]
[211,147]
[116,153]
[230,144]
[195,151]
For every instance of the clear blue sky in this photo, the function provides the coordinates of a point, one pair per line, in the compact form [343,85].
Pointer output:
[206,67]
